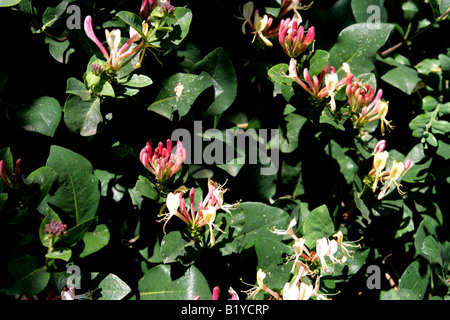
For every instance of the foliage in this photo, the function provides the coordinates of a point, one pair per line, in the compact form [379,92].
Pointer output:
[274,148]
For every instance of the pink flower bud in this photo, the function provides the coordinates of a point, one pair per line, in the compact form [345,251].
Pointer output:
[407,164]
[379,147]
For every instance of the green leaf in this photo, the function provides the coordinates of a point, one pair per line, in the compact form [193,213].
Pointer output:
[177,248]
[59,49]
[219,66]
[347,166]
[137,81]
[410,10]
[402,294]
[280,74]
[144,187]
[132,20]
[252,221]
[75,86]
[353,264]
[443,150]
[429,103]
[52,14]
[112,287]
[432,250]
[158,283]
[317,224]
[190,87]
[420,122]
[77,191]
[362,13]
[44,177]
[42,116]
[318,62]
[415,278]
[82,117]
[294,123]
[403,78]
[60,253]
[179,22]
[270,254]
[29,278]
[8,3]
[441,125]
[95,240]
[427,227]
[357,45]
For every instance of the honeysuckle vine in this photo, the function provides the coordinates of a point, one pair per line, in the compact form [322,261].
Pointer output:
[286,155]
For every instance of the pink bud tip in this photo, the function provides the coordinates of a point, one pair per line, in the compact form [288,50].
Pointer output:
[407,164]
[379,147]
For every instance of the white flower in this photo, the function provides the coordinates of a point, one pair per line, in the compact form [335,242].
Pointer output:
[291,292]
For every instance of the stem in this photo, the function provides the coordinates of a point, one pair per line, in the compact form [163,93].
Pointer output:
[398,45]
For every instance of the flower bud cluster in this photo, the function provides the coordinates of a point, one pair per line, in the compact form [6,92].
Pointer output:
[55,228]
[161,162]
[9,178]
[292,37]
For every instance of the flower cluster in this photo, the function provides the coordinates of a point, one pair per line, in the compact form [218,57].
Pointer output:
[10,178]
[55,228]
[386,177]
[113,38]
[205,213]
[161,162]
[305,269]
[292,37]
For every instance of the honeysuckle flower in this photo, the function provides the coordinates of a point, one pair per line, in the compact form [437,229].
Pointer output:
[358,93]
[291,292]
[288,5]
[234,295]
[289,230]
[343,245]
[260,276]
[215,197]
[68,294]
[113,38]
[331,82]
[209,216]
[382,112]
[247,12]
[394,174]
[379,147]
[298,247]
[262,25]
[314,85]
[379,163]
[369,112]
[161,162]
[326,248]
[292,37]
[196,218]
[305,291]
